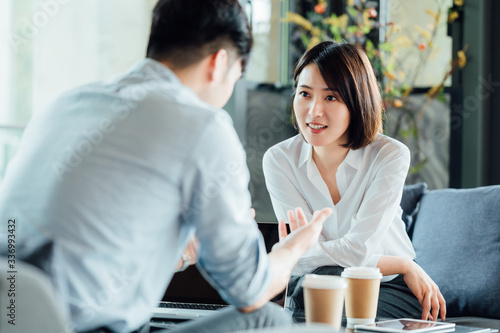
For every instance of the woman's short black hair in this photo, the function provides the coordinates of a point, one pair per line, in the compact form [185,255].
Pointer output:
[185,31]
[346,69]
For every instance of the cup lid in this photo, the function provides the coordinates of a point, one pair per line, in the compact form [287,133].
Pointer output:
[315,281]
[362,273]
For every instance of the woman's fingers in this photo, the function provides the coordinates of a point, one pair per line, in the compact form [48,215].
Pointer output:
[297,219]
[282,230]
[320,216]
[435,306]
[192,250]
[442,306]
[301,218]
[292,221]
[426,307]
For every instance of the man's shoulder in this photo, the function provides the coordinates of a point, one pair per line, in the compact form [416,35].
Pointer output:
[157,99]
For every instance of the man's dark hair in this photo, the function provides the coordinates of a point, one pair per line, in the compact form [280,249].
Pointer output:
[184,32]
[347,71]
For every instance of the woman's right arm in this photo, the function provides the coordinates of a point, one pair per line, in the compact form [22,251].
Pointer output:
[286,197]
[283,192]
[421,285]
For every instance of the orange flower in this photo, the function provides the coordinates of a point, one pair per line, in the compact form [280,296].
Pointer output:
[462,59]
[397,103]
[320,8]
[421,46]
[372,12]
[453,16]
[390,75]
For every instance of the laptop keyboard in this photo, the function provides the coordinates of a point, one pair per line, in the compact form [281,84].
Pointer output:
[194,306]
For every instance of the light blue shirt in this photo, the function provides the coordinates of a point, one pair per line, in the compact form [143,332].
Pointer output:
[118,174]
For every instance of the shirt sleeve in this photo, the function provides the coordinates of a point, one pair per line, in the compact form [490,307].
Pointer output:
[232,253]
[280,183]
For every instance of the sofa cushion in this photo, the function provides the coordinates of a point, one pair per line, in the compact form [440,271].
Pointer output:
[410,202]
[457,241]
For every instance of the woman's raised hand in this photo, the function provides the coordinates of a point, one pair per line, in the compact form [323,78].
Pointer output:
[303,234]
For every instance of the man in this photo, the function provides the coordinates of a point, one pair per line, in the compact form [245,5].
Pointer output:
[112,180]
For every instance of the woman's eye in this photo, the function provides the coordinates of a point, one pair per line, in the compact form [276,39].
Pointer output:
[303,94]
[331,98]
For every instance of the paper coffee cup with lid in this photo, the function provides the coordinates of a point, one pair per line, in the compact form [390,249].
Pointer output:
[361,299]
[324,299]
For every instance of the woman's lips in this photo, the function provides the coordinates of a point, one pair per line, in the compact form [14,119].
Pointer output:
[316,128]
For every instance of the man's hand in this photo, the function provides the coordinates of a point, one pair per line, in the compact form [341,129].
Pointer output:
[289,249]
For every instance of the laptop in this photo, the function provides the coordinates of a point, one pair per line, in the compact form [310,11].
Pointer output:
[189,295]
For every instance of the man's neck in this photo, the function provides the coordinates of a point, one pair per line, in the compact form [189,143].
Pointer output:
[191,76]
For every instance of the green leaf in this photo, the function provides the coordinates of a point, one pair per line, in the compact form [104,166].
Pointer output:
[390,67]
[418,167]
[352,12]
[405,133]
[405,86]
[396,93]
[385,46]
[334,30]
[366,30]
[305,40]
[442,98]
[369,45]
[352,29]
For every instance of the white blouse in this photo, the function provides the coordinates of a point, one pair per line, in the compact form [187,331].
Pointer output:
[366,223]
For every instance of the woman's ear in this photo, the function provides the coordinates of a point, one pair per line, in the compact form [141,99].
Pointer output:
[218,66]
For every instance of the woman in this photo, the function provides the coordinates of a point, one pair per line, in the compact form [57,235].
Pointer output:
[341,160]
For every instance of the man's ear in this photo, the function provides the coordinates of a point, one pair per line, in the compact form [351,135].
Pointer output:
[218,65]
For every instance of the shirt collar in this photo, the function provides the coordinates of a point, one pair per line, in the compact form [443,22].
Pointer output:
[353,158]
[305,152]
[155,69]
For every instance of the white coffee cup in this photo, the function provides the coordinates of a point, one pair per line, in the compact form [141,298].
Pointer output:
[361,299]
[324,299]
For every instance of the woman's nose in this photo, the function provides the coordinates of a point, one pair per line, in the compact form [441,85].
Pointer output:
[316,108]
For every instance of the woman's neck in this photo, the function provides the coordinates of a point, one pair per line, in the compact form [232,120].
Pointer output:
[329,158]
[327,161]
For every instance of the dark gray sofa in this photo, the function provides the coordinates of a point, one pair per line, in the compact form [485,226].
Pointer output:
[456,236]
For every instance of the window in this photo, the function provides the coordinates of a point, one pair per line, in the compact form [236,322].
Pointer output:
[50,46]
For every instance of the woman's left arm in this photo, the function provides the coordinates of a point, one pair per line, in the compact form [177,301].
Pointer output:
[421,285]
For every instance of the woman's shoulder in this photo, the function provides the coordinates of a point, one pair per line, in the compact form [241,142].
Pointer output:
[385,142]
[383,146]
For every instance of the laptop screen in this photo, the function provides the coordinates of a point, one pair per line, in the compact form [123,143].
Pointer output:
[189,286]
